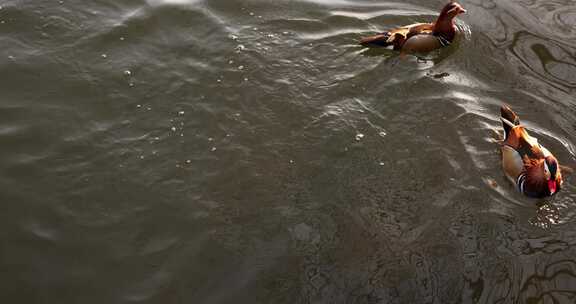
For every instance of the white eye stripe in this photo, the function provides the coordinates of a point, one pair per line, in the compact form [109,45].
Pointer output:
[546,169]
[520,182]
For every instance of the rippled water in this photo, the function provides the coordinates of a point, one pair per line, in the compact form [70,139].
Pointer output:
[215,151]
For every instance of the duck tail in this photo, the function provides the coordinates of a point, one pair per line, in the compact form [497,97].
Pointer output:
[509,119]
[382,39]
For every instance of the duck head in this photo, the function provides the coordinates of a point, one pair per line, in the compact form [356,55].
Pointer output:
[543,178]
[444,25]
[552,174]
[452,9]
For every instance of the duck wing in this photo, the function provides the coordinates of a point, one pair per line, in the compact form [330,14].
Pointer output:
[518,138]
[396,37]
[509,119]
[526,145]
[523,162]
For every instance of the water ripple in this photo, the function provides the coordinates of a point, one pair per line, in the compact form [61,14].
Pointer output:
[244,152]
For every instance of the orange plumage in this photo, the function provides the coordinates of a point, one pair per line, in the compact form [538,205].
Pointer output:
[533,169]
[420,37]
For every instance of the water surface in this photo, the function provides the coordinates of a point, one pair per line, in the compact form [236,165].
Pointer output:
[216,151]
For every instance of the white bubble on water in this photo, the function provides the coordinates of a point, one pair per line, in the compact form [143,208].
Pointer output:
[180,112]
[241,67]
[127,73]
[213,149]
[359,136]
[104,56]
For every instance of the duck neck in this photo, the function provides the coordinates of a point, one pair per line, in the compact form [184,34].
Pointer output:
[444,26]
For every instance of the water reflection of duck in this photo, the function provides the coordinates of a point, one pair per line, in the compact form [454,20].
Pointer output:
[533,169]
[420,37]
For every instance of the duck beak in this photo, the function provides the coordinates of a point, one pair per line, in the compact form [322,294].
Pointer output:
[552,186]
[461,10]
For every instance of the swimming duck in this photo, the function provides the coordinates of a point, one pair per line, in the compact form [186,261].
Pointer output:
[420,37]
[530,166]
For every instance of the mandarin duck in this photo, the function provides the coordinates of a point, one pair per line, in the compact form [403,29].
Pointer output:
[420,37]
[530,166]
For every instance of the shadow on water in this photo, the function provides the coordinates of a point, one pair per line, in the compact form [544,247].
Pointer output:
[250,152]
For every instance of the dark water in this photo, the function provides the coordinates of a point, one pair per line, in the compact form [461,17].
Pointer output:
[218,151]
